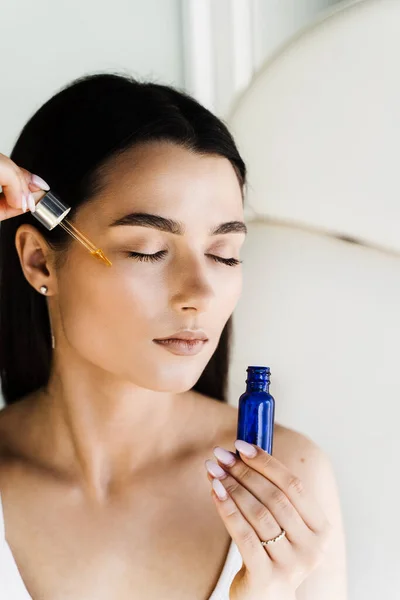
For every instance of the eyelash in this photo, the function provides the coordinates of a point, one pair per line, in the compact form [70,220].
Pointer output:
[230,262]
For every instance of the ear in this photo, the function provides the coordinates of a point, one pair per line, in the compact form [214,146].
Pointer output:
[36,258]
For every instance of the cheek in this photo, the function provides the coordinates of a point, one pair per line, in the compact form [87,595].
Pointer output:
[110,317]
[107,312]
[118,303]
[228,289]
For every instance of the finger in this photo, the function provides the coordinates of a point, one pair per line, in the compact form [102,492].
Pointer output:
[23,178]
[291,486]
[259,517]
[33,181]
[12,187]
[37,188]
[18,187]
[32,184]
[253,554]
[7,211]
[270,496]
[30,202]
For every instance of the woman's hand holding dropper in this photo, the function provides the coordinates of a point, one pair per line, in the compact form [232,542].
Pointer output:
[20,189]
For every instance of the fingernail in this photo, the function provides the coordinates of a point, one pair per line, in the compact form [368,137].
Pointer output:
[227,458]
[40,182]
[215,469]
[23,204]
[245,448]
[31,203]
[219,489]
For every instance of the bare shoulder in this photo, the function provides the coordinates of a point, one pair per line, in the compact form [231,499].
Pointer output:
[307,461]
[298,452]
[313,467]
[290,446]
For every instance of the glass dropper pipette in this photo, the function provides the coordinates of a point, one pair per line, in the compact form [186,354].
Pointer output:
[78,235]
[50,211]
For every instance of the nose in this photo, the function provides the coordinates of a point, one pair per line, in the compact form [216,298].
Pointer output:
[192,288]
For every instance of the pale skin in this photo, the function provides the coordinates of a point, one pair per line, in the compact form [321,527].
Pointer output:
[102,473]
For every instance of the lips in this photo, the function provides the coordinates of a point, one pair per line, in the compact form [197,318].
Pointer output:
[185,336]
[182,347]
[186,342]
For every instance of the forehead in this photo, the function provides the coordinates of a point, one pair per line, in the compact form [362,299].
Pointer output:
[163,174]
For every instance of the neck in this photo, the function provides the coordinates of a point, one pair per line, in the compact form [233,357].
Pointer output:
[100,431]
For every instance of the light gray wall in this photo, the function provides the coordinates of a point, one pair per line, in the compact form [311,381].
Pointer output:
[278,20]
[45,44]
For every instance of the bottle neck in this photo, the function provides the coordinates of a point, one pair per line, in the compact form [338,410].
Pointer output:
[257,379]
[257,386]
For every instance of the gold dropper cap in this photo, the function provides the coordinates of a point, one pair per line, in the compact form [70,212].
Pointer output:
[50,212]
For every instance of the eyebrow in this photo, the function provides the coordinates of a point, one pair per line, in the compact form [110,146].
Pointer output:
[175,227]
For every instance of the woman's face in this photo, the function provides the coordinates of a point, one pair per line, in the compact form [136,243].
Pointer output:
[110,316]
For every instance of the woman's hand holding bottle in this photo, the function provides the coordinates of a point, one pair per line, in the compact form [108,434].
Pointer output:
[257,497]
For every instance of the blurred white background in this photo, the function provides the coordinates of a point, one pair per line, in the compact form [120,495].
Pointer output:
[209,47]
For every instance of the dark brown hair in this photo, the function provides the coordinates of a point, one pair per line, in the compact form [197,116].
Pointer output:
[68,142]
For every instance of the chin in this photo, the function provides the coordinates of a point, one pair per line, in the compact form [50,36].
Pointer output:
[169,380]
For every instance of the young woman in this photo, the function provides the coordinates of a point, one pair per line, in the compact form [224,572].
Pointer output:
[114,377]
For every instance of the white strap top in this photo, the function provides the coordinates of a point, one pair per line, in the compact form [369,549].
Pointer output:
[12,586]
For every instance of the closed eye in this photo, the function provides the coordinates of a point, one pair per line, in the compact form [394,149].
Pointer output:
[148,257]
[231,262]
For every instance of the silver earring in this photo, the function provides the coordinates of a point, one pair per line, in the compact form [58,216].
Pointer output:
[44,289]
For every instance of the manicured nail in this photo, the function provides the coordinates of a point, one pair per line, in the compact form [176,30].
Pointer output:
[219,489]
[31,203]
[24,203]
[227,458]
[245,448]
[215,469]
[40,182]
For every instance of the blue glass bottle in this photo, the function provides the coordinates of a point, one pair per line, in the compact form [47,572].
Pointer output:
[257,410]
